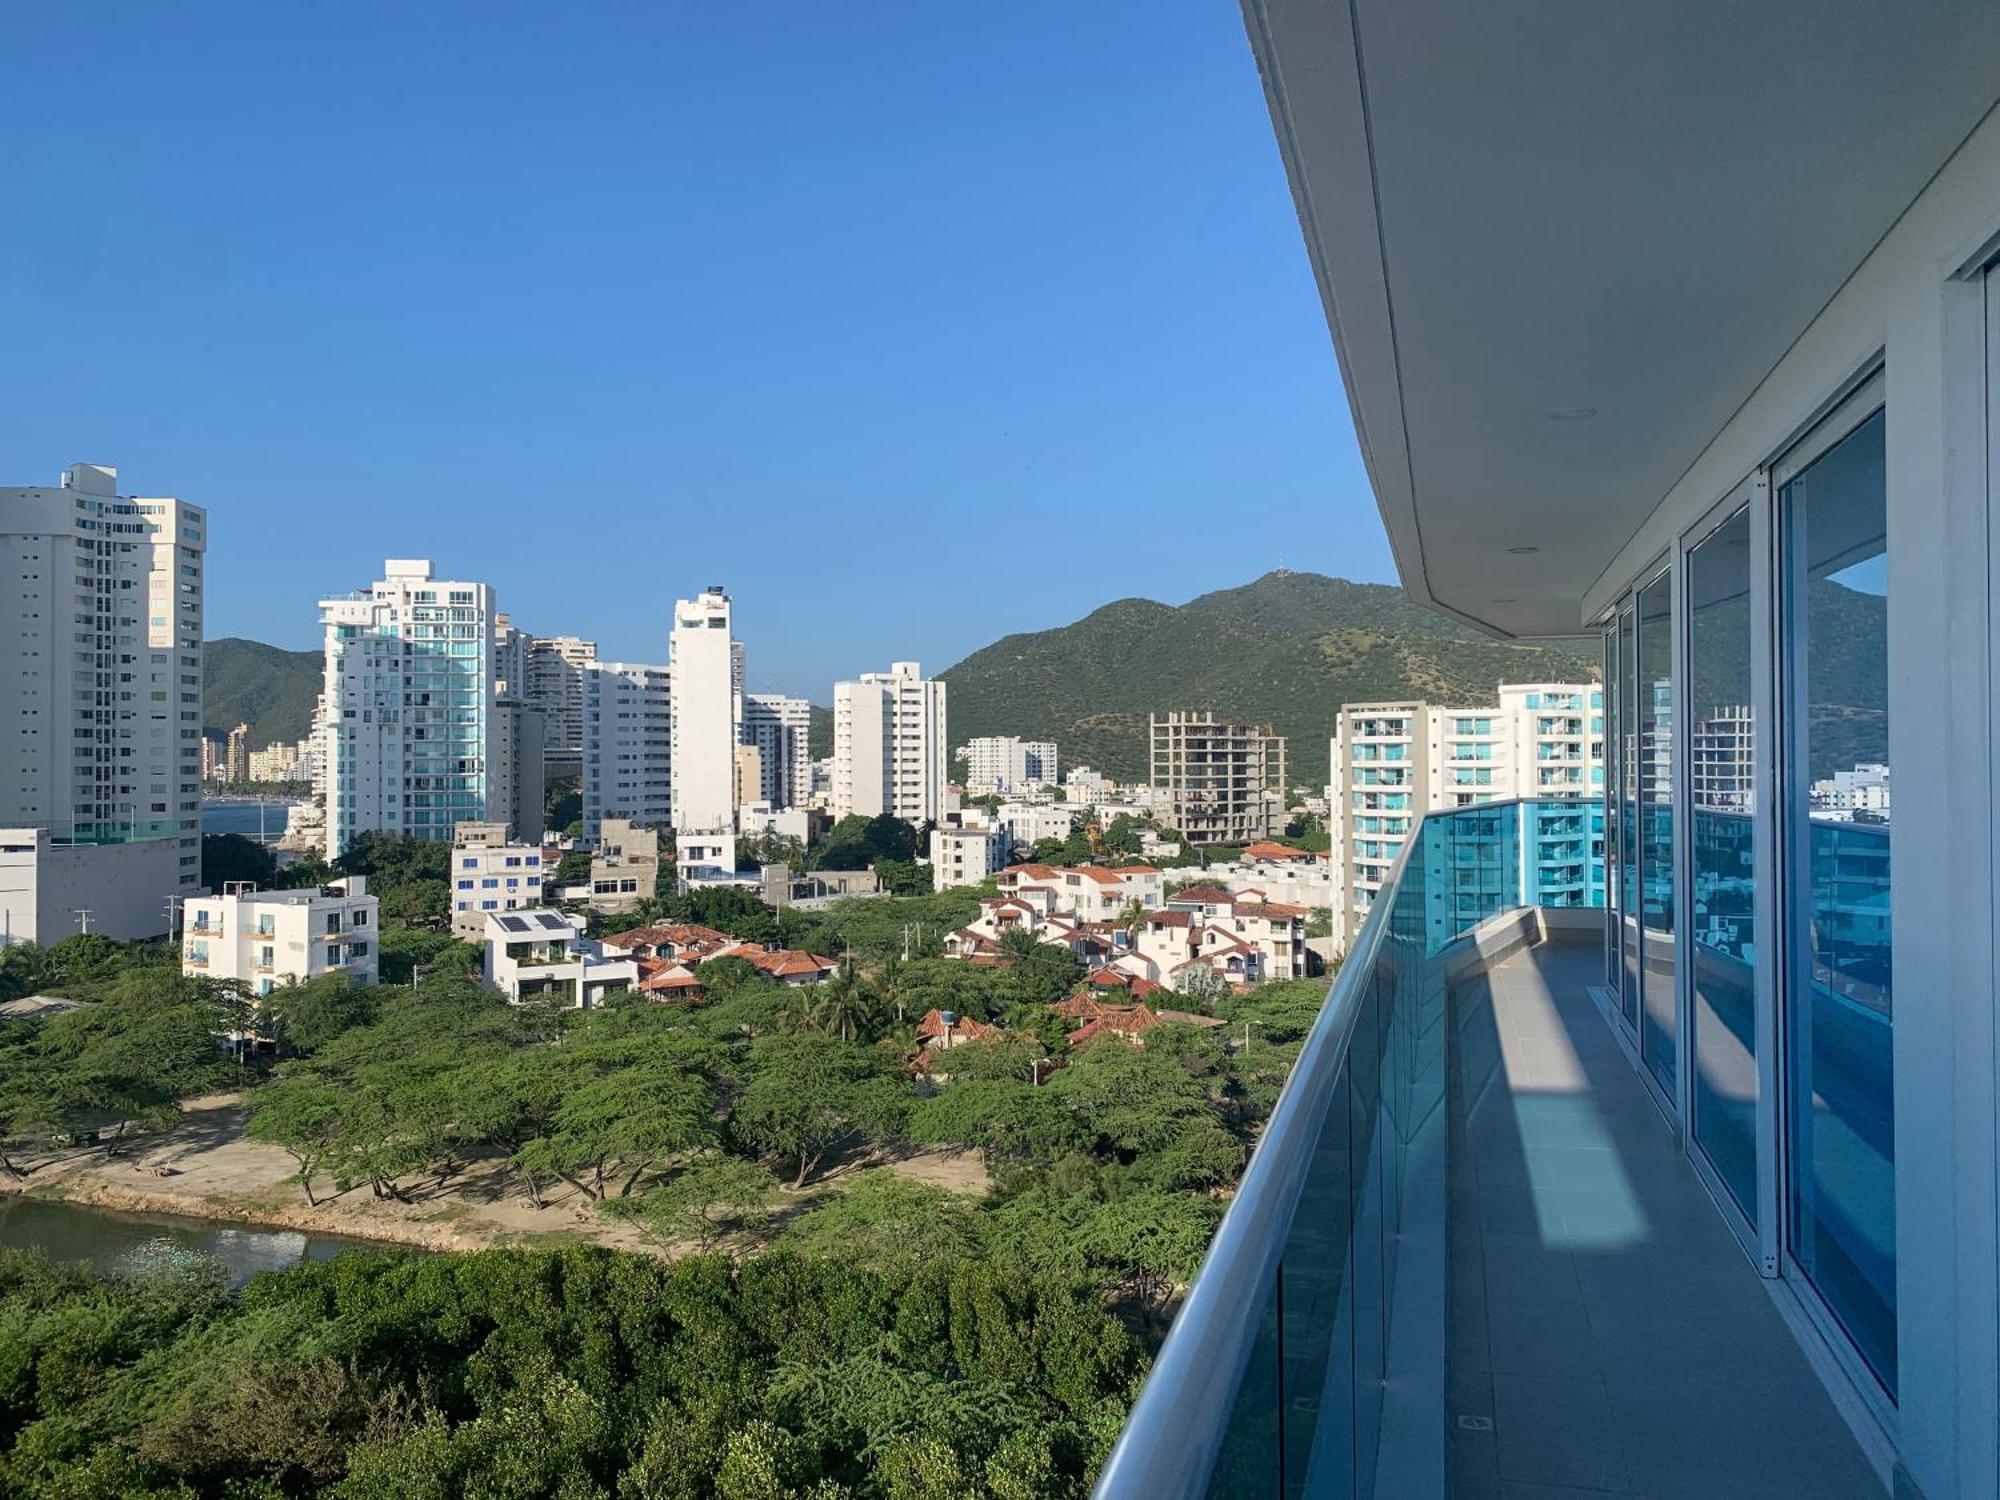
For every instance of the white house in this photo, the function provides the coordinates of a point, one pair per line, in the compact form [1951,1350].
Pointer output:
[966,856]
[268,938]
[542,956]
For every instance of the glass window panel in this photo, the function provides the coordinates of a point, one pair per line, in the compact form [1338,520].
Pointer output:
[1654,711]
[1838,1018]
[1721,904]
[1628,818]
[1611,898]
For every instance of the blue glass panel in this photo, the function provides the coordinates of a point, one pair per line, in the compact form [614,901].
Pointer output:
[1839,1005]
[1722,902]
[1654,705]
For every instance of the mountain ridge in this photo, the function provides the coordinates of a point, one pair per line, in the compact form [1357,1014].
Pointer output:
[1285,649]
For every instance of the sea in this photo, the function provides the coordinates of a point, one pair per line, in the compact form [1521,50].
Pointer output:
[249,817]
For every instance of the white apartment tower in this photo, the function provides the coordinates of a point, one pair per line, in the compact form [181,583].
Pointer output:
[781,729]
[409,705]
[628,729]
[889,745]
[1007,763]
[706,665]
[100,690]
[1394,761]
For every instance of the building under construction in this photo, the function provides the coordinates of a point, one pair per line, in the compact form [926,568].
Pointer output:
[1225,778]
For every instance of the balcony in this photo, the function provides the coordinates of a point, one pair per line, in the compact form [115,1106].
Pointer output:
[1468,1256]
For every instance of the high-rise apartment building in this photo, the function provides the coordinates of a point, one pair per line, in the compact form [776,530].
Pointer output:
[889,745]
[554,666]
[781,729]
[628,755]
[238,760]
[511,651]
[520,785]
[707,665]
[100,690]
[1394,761]
[409,706]
[1007,763]
[1224,779]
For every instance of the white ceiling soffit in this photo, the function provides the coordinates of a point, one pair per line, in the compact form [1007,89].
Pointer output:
[1560,242]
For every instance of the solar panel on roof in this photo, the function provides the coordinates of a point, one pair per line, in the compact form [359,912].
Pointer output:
[549,919]
[513,924]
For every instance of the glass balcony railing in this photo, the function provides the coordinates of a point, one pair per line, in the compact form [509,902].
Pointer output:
[1324,1287]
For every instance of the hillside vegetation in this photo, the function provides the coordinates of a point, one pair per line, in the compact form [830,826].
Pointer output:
[1288,649]
[267,687]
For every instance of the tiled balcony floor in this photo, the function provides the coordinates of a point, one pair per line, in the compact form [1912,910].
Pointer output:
[1602,1318]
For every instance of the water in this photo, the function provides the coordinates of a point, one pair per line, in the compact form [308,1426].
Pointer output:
[112,1242]
[241,817]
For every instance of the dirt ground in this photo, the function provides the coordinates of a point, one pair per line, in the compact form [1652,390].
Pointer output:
[205,1168]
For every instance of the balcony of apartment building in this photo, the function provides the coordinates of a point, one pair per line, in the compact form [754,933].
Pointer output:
[1682,1202]
[1473,1254]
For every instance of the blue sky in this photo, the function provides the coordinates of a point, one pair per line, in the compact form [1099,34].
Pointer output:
[914,325]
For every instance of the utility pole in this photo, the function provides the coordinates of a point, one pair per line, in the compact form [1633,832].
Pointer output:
[173,906]
[82,915]
[1246,1035]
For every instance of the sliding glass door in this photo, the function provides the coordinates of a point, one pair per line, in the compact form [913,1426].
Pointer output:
[1839,1002]
[1654,718]
[1720,905]
[1628,815]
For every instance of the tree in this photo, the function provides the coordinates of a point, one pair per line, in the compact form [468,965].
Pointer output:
[705,1197]
[302,1018]
[903,877]
[856,843]
[809,1094]
[230,857]
[843,1006]
[303,1114]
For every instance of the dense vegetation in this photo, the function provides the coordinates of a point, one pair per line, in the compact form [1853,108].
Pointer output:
[571,1374]
[270,689]
[863,1333]
[1283,650]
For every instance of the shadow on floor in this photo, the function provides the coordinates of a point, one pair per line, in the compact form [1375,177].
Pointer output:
[1606,1334]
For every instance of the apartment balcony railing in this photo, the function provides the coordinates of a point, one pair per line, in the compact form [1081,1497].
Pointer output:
[1465,1213]
[1325,1280]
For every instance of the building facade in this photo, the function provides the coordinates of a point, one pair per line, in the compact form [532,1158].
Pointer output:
[520,786]
[1006,763]
[1224,779]
[707,666]
[1394,761]
[264,939]
[491,871]
[554,667]
[409,695]
[100,689]
[889,745]
[628,764]
[781,729]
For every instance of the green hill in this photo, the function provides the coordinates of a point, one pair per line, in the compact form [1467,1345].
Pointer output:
[1287,650]
[270,689]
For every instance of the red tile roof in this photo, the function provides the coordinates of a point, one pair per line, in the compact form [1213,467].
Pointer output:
[1268,850]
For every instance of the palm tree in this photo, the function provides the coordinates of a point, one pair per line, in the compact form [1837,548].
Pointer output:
[843,1005]
[1017,943]
[1131,917]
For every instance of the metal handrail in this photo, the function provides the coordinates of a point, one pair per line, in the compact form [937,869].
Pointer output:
[1175,1429]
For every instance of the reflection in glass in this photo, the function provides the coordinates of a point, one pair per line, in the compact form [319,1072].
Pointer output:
[1838,1031]
[1654,712]
[1721,737]
[1612,899]
[1628,814]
